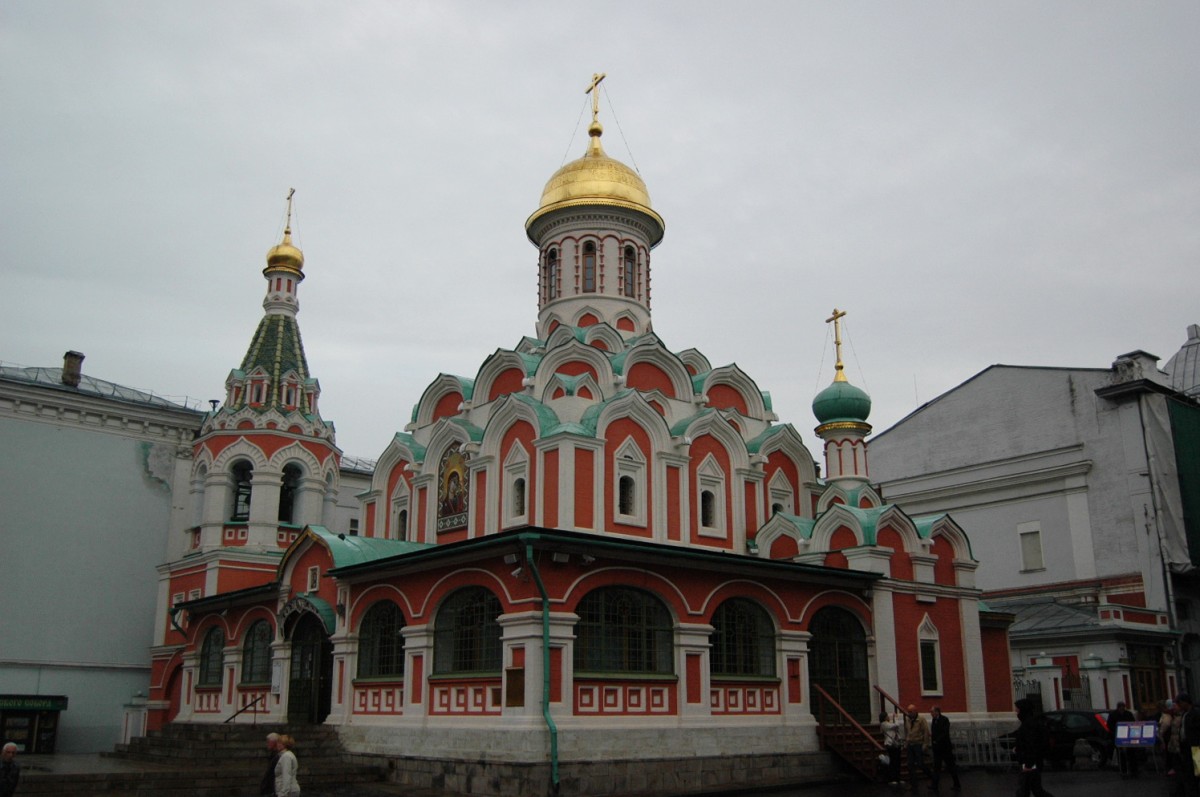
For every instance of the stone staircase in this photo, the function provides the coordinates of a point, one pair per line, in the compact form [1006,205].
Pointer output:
[196,760]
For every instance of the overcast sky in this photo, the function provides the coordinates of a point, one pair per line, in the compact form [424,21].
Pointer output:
[974,183]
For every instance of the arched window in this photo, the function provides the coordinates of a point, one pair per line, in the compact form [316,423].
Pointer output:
[381,642]
[630,263]
[623,630]
[212,654]
[589,267]
[243,473]
[256,654]
[743,640]
[551,274]
[467,636]
[628,496]
[518,497]
[402,525]
[708,509]
[287,492]
[776,509]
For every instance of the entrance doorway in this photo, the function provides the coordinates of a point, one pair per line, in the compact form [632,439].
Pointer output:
[837,661]
[310,686]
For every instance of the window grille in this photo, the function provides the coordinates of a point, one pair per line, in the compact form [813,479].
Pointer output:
[381,642]
[243,472]
[589,267]
[623,631]
[743,640]
[467,634]
[256,654]
[212,654]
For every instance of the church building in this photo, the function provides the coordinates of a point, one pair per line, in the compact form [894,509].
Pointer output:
[596,551]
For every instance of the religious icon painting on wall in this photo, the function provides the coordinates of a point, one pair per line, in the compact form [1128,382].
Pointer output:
[453,489]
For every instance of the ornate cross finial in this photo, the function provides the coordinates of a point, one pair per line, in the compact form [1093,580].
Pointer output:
[594,91]
[287,228]
[839,376]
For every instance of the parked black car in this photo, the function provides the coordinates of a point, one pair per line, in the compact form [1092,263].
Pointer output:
[1066,727]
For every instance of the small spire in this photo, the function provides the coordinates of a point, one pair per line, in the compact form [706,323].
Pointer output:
[839,375]
[595,129]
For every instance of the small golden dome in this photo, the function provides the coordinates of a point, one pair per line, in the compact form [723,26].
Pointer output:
[596,179]
[284,256]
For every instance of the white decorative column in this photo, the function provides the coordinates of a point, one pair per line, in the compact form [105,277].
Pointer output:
[692,644]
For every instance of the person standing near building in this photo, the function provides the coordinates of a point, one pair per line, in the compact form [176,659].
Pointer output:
[267,786]
[889,726]
[943,748]
[10,770]
[1168,735]
[1189,738]
[916,737]
[286,769]
[1030,749]
[1126,757]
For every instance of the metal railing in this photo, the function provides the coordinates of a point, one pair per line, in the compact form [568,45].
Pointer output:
[253,704]
[845,736]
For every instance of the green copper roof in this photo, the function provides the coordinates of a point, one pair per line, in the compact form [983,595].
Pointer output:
[547,418]
[681,427]
[802,524]
[276,348]
[531,362]
[473,432]
[351,550]
[841,401]
[755,444]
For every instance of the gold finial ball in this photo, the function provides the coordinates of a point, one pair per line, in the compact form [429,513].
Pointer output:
[285,256]
[595,129]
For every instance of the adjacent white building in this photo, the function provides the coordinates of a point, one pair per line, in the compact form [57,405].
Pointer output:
[1083,488]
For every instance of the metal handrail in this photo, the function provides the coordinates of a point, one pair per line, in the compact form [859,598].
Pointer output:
[846,715]
[888,697]
[253,704]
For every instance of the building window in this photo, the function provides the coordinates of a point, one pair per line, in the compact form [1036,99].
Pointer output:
[623,630]
[629,466]
[930,655]
[516,486]
[630,271]
[288,490]
[589,267]
[743,640]
[781,495]
[353,527]
[381,642]
[212,654]
[314,578]
[708,509]
[256,654]
[627,494]
[711,498]
[243,473]
[552,274]
[1030,535]
[467,634]
[402,525]
[518,497]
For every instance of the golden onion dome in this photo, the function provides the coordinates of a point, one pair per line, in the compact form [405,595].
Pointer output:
[286,257]
[597,179]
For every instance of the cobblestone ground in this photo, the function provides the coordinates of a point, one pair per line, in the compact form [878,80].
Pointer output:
[978,783]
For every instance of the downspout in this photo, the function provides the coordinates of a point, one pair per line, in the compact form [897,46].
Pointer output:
[537,577]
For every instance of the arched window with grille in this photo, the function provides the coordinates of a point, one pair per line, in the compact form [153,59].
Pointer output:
[743,640]
[212,655]
[589,267]
[288,490]
[243,473]
[381,642]
[623,630]
[467,634]
[630,264]
[256,654]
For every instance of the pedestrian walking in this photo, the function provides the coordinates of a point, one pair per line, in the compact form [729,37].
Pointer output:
[10,770]
[286,782]
[267,785]
[1189,743]
[893,743]
[917,738]
[943,748]
[1168,736]
[1030,750]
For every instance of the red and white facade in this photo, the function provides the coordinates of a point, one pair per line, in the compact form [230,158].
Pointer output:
[595,538]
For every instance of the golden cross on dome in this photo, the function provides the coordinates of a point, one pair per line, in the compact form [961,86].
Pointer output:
[593,90]
[839,376]
[287,228]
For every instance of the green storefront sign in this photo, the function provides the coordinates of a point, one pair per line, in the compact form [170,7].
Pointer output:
[33,703]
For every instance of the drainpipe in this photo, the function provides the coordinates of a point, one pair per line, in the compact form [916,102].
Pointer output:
[537,577]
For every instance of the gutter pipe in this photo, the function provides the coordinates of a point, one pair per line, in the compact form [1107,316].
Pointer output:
[550,726]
